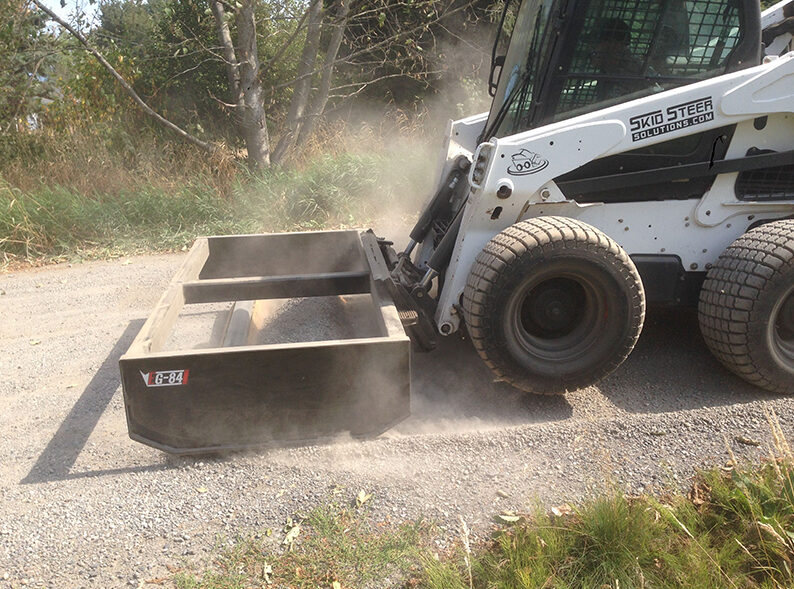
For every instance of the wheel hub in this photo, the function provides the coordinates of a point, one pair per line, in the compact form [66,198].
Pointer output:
[556,318]
[553,309]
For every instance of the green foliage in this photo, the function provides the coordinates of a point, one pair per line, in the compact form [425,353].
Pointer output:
[185,78]
[26,56]
[161,51]
[608,542]
[277,22]
[21,147]
[128,25]
[408,51]
[756,509]
[328,192]
[168,50]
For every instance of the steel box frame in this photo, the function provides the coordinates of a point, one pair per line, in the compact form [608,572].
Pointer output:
[238,396]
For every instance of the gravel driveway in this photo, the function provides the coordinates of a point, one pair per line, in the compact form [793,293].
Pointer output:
[83,505]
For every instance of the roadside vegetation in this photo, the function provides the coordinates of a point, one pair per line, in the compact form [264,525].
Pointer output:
[734,528]
[140,125]
[84,203]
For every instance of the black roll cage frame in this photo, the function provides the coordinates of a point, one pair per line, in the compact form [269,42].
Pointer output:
[565,24]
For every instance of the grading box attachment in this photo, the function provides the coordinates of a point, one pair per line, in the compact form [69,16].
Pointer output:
[280,338]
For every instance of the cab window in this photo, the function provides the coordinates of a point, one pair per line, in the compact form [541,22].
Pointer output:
[630,49]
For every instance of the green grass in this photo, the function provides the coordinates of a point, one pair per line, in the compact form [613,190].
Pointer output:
[734,529]
[336,544]
[58,222]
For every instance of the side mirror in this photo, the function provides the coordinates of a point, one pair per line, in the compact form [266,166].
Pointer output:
[498,62]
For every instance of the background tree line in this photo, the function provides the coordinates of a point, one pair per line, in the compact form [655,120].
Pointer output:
[254,76]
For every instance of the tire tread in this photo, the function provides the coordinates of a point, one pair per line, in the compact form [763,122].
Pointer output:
[730,294]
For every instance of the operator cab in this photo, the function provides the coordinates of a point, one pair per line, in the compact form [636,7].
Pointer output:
[570,57]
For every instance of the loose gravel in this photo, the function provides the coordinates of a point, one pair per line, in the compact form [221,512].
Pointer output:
[81,505]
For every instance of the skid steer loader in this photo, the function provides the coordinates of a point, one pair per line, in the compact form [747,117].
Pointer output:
[635,153]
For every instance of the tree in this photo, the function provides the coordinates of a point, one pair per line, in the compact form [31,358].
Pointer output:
[308,45]
[235,71]
[303,81]
[26,51]
[253,121]
[245,86]
[140,103]
[337,26]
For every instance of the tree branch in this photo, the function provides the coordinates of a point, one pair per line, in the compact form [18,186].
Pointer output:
[287,43]
[225,36]
[208,147]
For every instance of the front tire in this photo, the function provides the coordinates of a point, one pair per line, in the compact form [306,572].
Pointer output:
[553,304]
[746,309]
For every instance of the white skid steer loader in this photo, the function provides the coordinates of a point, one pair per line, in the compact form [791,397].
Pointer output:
[635,153]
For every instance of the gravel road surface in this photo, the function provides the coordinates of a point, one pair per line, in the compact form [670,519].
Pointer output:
[81,505]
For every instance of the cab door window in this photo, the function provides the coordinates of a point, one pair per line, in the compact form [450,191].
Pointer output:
[628,49]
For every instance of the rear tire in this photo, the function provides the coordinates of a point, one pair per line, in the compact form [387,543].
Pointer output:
[553,304]
[746,309]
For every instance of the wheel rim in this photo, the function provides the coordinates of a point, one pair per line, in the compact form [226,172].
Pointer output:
[783,329]
[557,317]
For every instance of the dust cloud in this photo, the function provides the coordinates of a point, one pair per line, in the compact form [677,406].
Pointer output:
[452,391]
[412,138]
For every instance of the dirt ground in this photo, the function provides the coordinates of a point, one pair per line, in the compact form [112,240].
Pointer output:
[82,505]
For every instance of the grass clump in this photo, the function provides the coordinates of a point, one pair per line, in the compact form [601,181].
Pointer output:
[609,541]
[55,221]
[330,191]
[337,547]
[735,528]
[619,542]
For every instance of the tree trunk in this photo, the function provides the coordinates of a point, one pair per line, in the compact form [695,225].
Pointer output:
[321,99]
[253,125]
[303,84]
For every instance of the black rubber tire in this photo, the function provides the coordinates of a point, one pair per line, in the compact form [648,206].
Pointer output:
[553,304]
[746,309]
